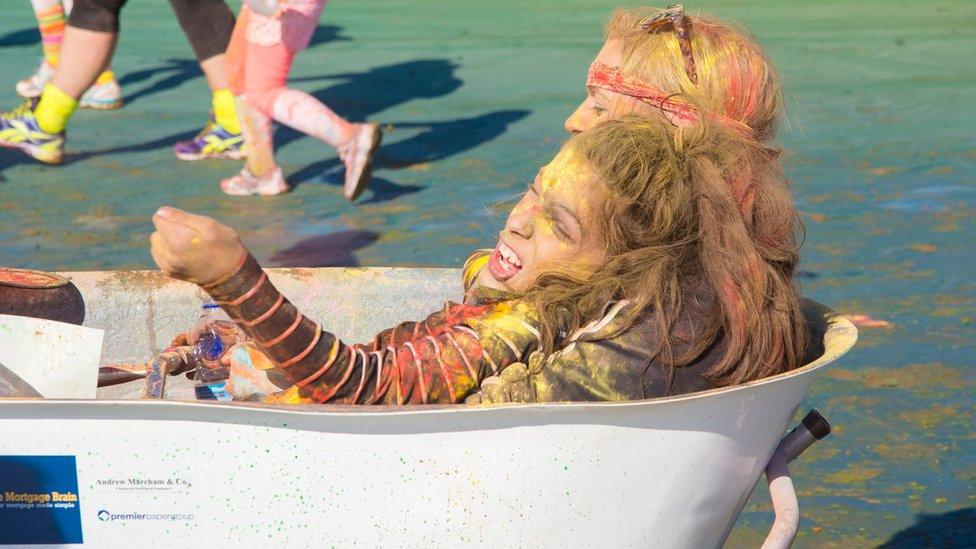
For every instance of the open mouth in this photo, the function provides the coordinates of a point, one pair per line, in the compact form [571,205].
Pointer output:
[504,262]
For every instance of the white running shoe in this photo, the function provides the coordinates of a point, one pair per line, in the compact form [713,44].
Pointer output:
[33,85]
[246,184]
[357,156]
[103,97]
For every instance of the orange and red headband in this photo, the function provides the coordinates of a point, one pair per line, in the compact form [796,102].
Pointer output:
[678,111]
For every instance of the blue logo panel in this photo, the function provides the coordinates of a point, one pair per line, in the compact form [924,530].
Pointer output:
[39,500]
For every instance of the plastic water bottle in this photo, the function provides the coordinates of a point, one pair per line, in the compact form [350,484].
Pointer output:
[213,335]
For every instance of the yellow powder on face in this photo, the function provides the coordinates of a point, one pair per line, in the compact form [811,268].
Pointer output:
[568,175]
[563,171]
[195,241]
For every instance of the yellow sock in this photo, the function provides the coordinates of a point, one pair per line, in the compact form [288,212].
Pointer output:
[54,109]
[225,110]
[107,76]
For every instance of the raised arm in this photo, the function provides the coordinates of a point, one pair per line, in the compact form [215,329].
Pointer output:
[439,360]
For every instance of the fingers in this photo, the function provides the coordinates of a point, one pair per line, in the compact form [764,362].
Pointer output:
[194,247]
[162,254]
[236,355]
[181,339]
[168,219]
[156,249]
[169,214]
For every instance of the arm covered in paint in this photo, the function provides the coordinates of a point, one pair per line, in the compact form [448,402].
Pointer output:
[439,360]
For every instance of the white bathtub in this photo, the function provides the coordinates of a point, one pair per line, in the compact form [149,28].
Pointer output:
[670,472]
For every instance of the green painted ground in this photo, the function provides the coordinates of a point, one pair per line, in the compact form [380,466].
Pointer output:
[881,130]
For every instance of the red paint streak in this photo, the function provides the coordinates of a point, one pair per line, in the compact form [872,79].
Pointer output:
[22,278]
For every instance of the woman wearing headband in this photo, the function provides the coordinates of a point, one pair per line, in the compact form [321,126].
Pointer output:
[695,289]
[665,63]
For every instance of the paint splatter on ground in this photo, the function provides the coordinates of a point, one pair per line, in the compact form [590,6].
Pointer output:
[883,162]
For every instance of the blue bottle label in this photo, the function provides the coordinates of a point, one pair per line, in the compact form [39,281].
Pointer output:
[213,391]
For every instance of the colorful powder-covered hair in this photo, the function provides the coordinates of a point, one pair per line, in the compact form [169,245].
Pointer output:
[676,238]
[735,78]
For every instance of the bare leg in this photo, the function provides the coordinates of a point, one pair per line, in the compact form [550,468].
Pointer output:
[84,54]
[215,70]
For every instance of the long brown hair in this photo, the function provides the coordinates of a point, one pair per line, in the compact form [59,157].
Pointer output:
[693,215]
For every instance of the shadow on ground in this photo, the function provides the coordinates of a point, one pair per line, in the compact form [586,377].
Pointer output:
[175,72]
[356,96]
[360,96]
[440,140]
[178,71]
[953,529]
[327,33]
[328,250]
[20,37]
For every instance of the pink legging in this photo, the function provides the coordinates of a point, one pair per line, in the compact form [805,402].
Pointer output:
[259,73]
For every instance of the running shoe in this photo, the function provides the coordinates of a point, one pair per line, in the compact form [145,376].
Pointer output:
[33,85]
[103,97]
[213,141]
[246,183]
[357,156]
[19,130]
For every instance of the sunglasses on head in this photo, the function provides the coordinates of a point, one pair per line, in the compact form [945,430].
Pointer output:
[674,17]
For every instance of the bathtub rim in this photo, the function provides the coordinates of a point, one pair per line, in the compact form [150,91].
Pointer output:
[839,337]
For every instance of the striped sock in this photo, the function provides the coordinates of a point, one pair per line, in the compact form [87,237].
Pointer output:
[51,21]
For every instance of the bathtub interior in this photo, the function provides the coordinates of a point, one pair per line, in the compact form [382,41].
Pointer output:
[141,311]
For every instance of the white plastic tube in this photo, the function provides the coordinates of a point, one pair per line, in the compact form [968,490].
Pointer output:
[781,491]
[785,505]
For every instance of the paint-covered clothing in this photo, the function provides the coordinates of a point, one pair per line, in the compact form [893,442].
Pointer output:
[439,360]
[259,58]
[293,24]
[603,363]
[482,351]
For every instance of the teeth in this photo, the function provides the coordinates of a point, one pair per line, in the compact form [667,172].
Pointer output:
[508,254]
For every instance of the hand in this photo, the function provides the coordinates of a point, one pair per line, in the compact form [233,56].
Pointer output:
[181,339]
[248,372]
[192,247]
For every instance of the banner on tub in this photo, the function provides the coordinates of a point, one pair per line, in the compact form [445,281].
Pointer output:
[39,500]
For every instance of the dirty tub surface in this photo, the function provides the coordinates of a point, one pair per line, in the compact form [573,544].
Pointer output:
[669,472]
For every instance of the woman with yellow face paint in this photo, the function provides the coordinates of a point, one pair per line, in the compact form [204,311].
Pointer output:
[728,313]
[629,218]
[667,64]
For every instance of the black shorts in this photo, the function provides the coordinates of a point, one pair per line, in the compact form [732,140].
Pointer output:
[207,24]
[96,15]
